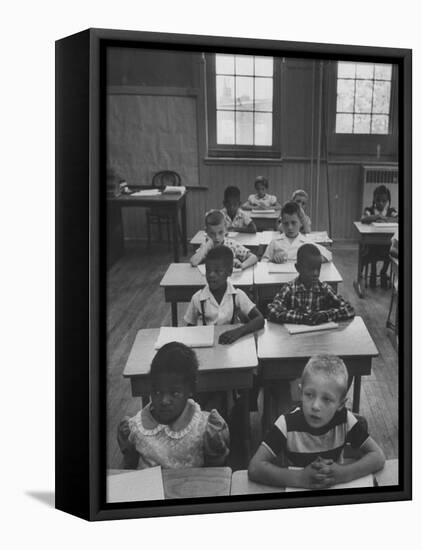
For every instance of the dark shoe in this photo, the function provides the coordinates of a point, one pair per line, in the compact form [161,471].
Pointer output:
[385,282]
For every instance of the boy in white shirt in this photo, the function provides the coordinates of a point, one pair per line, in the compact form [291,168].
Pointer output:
[219,303]
[284,248]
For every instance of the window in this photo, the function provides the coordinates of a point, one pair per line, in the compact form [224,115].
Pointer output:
[363,98]
[242,105]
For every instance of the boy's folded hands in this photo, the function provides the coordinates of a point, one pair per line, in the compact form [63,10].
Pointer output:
[315,318]
[320,474]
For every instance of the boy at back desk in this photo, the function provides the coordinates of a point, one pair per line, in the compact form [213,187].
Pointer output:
[306,299]
[219,303]
[312,437]
[284,247]
[216,230]
[235,218]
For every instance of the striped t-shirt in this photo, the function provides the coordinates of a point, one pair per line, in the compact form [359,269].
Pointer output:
[302,444]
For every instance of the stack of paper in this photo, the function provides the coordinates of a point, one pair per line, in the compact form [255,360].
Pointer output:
[135,485]
[193,337]
[300,329]
[146,193]
[174,189]
[286,267]
[385,224]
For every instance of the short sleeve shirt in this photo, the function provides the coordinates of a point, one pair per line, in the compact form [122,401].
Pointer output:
[241,219]
[215,313]
[282,243]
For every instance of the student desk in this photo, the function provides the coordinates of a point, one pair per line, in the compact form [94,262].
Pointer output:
[221,368]
[282,356]
[319,237]
[249,240]
[174,203]
[267,284]
[389,475]
[181,281]
[369,235]
[265,220]
[193,482]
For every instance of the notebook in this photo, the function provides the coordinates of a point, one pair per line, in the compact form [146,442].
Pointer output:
[263,211]
[144,484]
[365,481]
[300,329]
[385,224]
[193,337]
[286,267]
[174,189]
[146,193]
[202,269]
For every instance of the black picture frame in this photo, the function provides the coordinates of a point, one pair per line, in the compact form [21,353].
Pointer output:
[81,273]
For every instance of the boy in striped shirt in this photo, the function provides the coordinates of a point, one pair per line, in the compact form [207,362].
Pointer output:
[313,436]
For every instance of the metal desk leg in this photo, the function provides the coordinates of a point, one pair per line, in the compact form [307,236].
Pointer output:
[358,283]
[356,393]
[175,235]
[244,396]
[184,229]
[174,314]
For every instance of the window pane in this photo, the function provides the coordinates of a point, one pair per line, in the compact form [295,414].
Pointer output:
[263,129]
[263,94]
[380,124]
[244,128]
[383,71]
[224,64]
[364,70]
[225,127]
[363,100]
[244,93]
[225,92]
[346,70]
[264,66]
[381,103]
[362,124]
[344,124]
[244,64]
[345,95]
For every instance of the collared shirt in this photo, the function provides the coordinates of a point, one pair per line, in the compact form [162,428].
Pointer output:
[302,444]
[240,252]
[267,201]
[294,302]
[218,313]
[283,243]
[241,219]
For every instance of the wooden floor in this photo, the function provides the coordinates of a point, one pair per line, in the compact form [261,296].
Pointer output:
[135,300]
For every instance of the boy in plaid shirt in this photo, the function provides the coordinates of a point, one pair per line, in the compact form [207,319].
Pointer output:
[306,299]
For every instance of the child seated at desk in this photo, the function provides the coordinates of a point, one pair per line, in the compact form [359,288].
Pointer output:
[172,431]
[285,247]
[301,197]
[216,235]
[313,436]
[261,200]
[380,211]
[306,299]
[219,303]
[235,218]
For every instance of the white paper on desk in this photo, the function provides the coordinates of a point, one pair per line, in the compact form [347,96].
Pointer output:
[193,337]
[263,211]
[364,481]
[300,329]
[202,269]
[144,484]
[318,236]
[232,234]
[146,193]
[385,224]
[286,267]
[174,189]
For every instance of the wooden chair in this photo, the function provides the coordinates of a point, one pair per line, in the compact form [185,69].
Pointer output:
[160,216]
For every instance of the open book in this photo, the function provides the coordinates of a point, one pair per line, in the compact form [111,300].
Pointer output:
[300,329]
[263,211]
[286,267]
[129,486]
[193,337]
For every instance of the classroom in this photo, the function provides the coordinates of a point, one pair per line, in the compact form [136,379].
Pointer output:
[182,128]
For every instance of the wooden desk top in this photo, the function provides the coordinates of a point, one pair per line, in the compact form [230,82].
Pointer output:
[242,485]
[329,274]
[351,339]
[240,355]
[320,237]
[389,475]
[197,482]
[245,239]
[183,274]
[369,229]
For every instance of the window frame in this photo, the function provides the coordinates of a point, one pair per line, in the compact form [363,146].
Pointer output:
[217,150]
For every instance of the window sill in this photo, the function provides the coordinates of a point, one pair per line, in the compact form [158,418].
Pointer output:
[243,160]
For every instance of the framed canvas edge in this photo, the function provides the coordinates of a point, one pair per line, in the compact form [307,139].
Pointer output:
[95,509]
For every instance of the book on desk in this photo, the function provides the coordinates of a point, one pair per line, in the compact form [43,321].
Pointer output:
[193,337]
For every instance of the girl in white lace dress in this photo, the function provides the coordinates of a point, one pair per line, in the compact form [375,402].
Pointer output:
[172,431]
